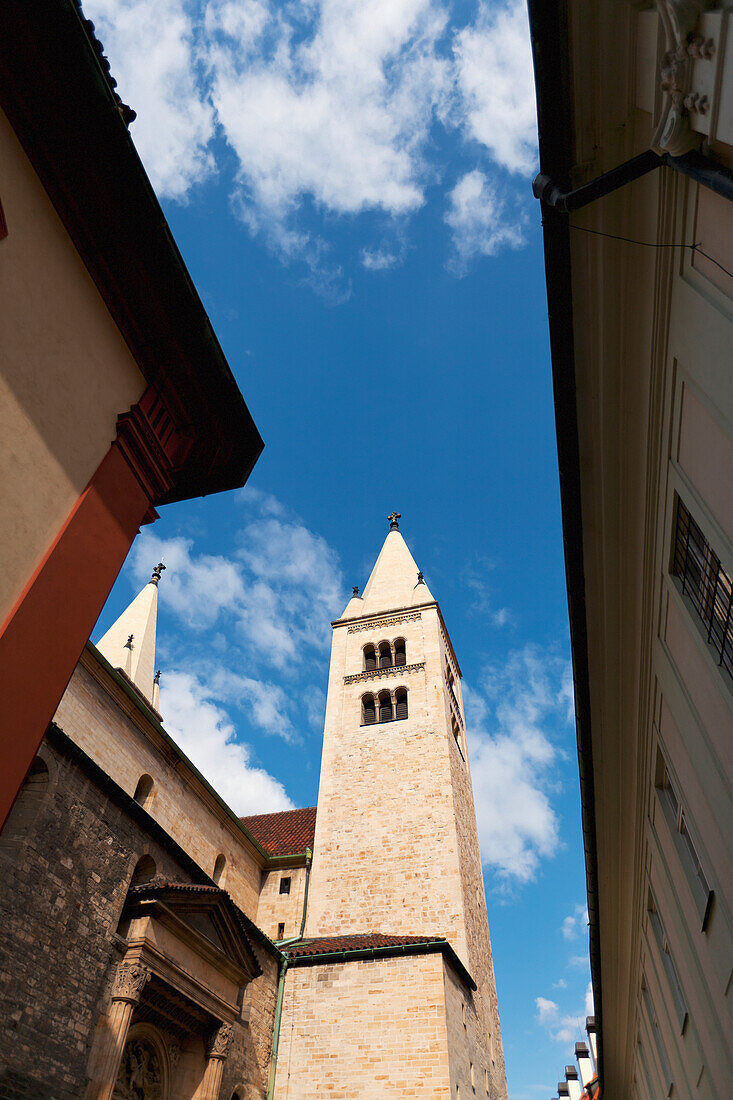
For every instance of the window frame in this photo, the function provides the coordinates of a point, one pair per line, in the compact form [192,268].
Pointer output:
[675,813]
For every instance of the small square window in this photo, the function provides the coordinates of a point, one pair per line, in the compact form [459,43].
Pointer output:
[281,930]
[285,884]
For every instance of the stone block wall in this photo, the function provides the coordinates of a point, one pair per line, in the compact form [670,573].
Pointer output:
[364,1030]
[63,892]
[64,887]
[121,745]
[275,907]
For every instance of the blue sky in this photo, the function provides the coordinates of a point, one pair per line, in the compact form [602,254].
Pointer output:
[349,185]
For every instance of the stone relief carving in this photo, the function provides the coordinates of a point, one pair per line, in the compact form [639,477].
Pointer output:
[130,981]
[220,1040]
[378,624]
[679,19]
[379,673]
[141,1074]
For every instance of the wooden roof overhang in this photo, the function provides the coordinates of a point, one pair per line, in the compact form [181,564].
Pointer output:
[56,91]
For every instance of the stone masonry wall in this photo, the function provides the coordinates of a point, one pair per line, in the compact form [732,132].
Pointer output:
[364,1030]
[120,747]
[63,892]
[486,1047]
[275,907]
[64,888]
[247,1067]
[385,849]
[396,844]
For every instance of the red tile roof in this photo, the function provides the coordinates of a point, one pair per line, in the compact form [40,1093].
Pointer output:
[283,834]
[360,942]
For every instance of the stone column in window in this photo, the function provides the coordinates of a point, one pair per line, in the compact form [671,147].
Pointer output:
[218,1050]
[130,980]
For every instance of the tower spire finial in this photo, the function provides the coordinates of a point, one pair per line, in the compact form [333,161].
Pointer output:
[157,573]
[393,524]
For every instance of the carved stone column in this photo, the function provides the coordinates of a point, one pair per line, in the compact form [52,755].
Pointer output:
[129,983]
[218,1050]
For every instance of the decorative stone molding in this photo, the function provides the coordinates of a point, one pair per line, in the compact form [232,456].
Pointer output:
[130,980]
[679,20]
[380,673]
[378,624]
[174,1053]
[220,1040]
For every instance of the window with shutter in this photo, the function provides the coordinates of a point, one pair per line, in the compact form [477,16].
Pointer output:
[385,707]
[370,658]
[401,703]
[385,655]
[400,654]
[369,712]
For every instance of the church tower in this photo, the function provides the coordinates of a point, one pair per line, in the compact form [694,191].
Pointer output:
[396,850]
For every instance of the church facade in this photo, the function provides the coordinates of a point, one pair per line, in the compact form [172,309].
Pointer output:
[154,946]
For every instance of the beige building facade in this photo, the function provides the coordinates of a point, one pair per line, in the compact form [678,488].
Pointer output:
[636,138]
[175,949]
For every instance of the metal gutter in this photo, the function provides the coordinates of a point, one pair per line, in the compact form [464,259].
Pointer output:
[550,48]
[394,950]
[276,1027]
[700,168]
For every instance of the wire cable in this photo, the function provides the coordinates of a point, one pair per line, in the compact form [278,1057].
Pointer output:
[654,244]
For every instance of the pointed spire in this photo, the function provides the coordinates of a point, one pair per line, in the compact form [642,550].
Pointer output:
[395,580]
[129,643]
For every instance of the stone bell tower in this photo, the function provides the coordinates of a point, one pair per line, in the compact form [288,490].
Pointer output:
[396,846]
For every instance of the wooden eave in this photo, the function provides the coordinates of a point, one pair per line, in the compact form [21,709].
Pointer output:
[60,103]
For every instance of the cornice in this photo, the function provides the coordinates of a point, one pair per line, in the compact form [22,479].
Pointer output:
[381,673]
[366,622]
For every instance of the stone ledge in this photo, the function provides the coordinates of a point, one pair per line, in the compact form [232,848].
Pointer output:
[380,673]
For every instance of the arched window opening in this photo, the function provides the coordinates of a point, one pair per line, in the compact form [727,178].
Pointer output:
[144,791]
[26,807]
[370,658]
[219,865]
[385,707]
[400,698]
[456,734]
[400,652]
[385,655]
[368,711]
[145,871]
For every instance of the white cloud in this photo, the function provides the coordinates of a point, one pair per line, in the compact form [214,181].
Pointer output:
[511,756]
[479,222]
[589,1004]
[562,1027]
[152,50]
[495,80]
[578,962]
[576,923]
[278,593]
[329,101]
[331,108]
[560,984]
[206,734]
[379,259]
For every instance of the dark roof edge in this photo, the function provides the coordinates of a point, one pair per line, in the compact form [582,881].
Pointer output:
[58,96]
[65,745]
[394,950]
[552,65]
